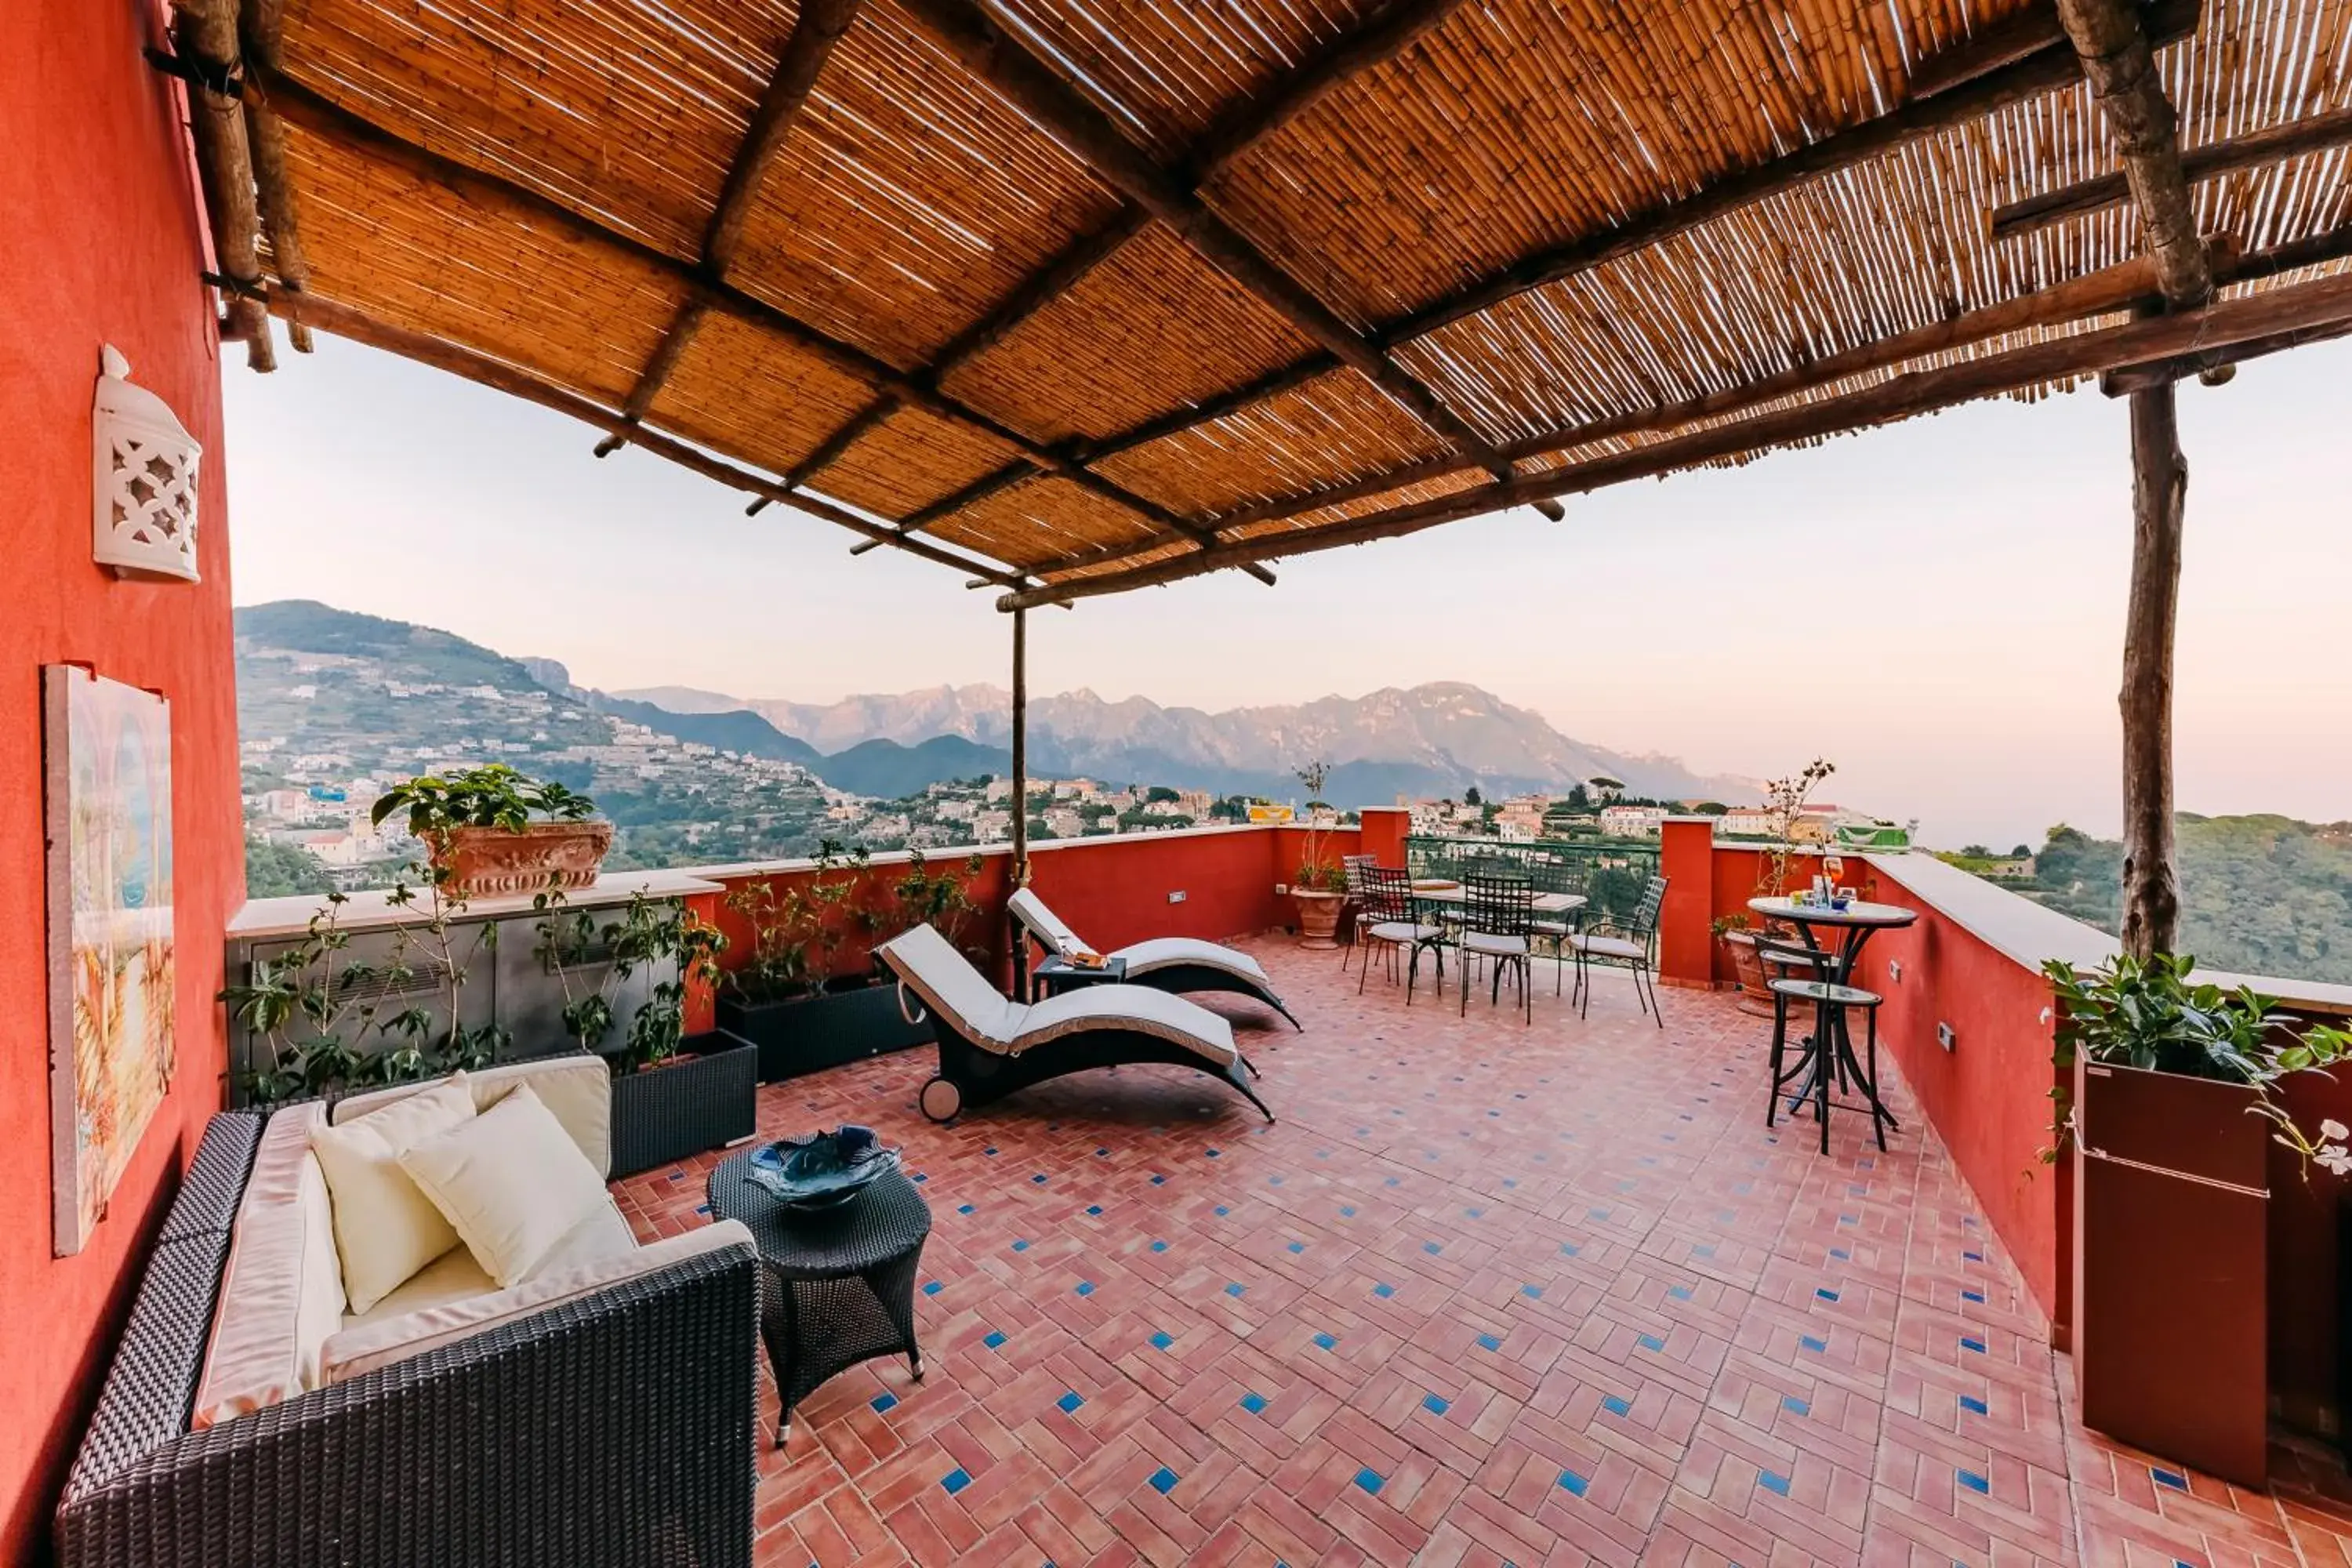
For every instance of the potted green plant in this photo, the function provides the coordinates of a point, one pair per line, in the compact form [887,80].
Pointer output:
[1319,885]
[807,993]
[492,830]
[2172,1112]
[673,1094]
[323,1024]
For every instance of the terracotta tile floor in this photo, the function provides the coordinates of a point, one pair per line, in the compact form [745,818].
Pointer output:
[1487,1293]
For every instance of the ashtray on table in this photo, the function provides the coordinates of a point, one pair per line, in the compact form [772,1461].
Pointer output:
[821,1170]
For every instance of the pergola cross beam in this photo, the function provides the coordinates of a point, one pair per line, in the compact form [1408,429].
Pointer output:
[998,59]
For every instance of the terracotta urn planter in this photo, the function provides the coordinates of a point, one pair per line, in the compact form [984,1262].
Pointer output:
[1319,918]
[2171,1200]
[484,862]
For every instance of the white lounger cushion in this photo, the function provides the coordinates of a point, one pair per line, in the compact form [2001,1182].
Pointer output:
[949,985]
[1168,951]
[1142,957]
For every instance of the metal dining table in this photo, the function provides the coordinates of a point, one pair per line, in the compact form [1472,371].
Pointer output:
[1432,890]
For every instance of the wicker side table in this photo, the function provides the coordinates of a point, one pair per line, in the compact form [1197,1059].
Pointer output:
[838,1287]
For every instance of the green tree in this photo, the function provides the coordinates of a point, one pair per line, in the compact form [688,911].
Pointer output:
[283,870]
[1472,797]
[1160,792]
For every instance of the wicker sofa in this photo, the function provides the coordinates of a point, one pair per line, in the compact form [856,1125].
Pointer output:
[614,1427]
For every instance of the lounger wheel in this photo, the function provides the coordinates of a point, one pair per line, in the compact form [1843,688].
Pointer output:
[940,1099]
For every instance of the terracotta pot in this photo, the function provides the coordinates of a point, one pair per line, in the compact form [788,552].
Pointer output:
[1319,918]
[2171,1201]
[485,862]
[1754,999]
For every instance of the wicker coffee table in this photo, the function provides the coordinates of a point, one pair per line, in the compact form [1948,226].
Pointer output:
[838,1285]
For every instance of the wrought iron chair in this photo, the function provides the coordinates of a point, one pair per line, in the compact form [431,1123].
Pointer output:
[1352,910]
[1388,922]
[1630,943]
[1499,916]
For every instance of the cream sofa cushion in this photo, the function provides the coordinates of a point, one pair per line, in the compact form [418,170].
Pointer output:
[385,1229]
[364,1348]
[511,1182]
[576,1088]
[281,1295]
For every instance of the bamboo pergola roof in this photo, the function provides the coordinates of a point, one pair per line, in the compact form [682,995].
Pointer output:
[1083,294]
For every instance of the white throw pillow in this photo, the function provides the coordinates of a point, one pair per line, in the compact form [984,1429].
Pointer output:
[511,1182]
[385,1229]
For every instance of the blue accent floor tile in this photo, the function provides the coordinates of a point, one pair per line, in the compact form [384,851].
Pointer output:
[1325,1341]
[1159,1181]
[1020,1246]
[1532,1293]
[1976,1296]
[1840,1254]
[1158,1246]
[1253,1403]
[966,1208]
[932,1287]
[1617,1406]
[1973,1481]
[1824,1293]
[1489,1342]
[1384,1291]
[882,1402]
[1970,1402]
[1069,1402]
[1651,1342]
[1163,1340]
[1679,1292]
[995,1338]
[1223,1210]
[1039,1178]
[1573,1484]
[2172,1478]
[1815,1345]
[1970,1344]
[1568,1249]
[1773,1481]
[1163,1480]
[955,1480]
[1370,1480]
[1297,1246]
[1430,1248]
[1085,1287]
[1094,1208]
[1794,1405]
[1347,1211]
[1435,1405]
[1235,1288]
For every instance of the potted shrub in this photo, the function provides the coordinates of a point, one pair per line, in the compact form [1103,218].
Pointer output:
[492,830]
[2172,1113]
[1736,936]
[1319,886]
[673,1094]
[323,1024]
[808,994]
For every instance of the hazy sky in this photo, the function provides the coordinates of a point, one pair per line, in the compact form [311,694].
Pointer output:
[1936,606]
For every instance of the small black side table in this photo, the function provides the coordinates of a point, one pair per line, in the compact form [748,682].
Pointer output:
[1058,974]
[839,1283]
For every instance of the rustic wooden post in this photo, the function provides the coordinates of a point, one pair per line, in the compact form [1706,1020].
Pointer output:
[2121,67]
[1020,748]
[2151,921]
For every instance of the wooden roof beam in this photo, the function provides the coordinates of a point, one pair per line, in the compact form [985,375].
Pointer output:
[996,58]
[2210,162]
[2323,302]
[821,25]
[322,116]
[2017,59]
[1387,33]
[2214,366]
[2119,59]
[204,37]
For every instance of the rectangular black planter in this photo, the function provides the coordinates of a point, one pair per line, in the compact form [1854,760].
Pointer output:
[707,1099]
[809,1033]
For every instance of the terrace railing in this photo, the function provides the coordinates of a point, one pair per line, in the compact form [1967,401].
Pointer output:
[1610,872]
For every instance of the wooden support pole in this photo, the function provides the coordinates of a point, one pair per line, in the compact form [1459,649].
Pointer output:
[1020,751]
[2151,917]
[2120,65]
[2323,300]
[206,35]
[2213,160]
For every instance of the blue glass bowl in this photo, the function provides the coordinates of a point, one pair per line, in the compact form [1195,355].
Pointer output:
[821,1170]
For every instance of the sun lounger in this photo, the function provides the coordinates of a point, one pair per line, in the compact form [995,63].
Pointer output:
[1174,963]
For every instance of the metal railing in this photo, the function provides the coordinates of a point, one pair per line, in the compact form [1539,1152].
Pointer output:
[1610,872]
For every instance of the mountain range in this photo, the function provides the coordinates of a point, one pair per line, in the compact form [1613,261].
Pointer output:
[1434,739]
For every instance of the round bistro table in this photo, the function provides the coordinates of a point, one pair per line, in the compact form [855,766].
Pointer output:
[1829,1049]
[837,1286]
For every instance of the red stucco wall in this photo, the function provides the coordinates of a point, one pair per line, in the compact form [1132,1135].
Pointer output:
[103,246]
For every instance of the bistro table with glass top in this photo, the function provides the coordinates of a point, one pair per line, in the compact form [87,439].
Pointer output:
[1848,922]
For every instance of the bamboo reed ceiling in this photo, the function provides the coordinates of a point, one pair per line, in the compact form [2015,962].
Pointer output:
[1541,235]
